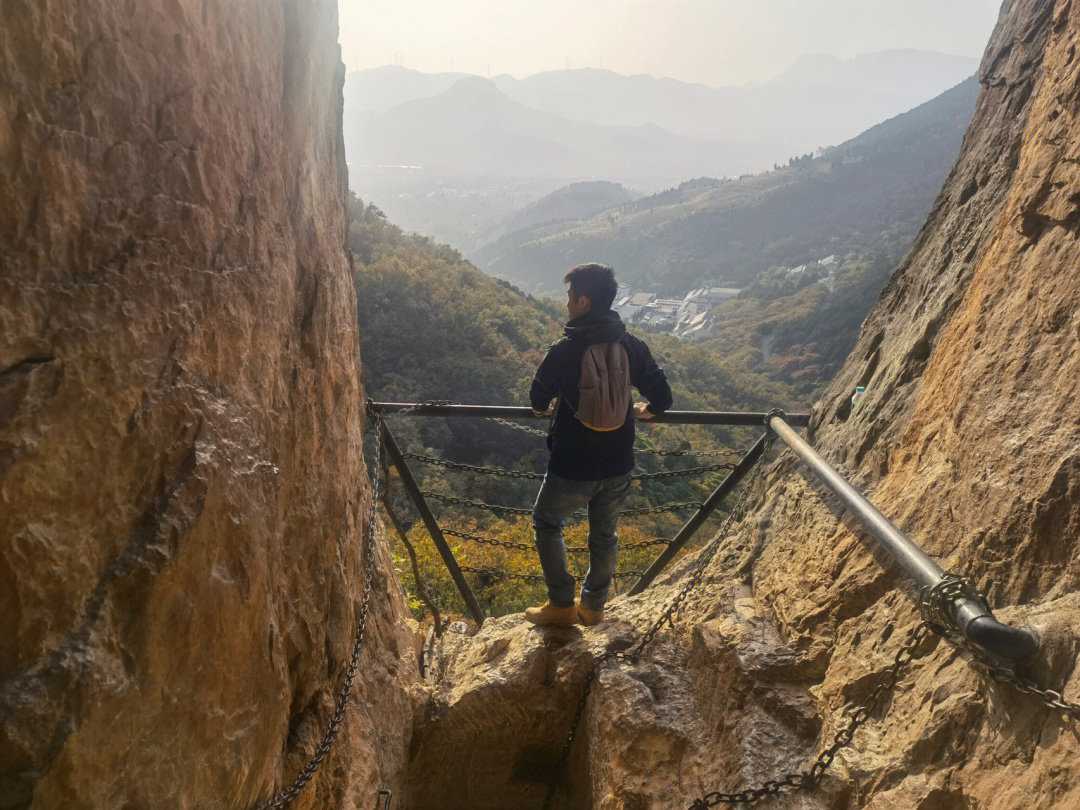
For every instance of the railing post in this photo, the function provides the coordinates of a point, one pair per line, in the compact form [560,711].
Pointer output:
[746,463]
[430,522]
[970,617]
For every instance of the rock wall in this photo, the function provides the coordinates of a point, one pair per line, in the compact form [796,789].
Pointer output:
[968,438]
[182,495]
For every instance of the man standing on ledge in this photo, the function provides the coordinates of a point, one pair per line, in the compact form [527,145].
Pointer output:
[589,465]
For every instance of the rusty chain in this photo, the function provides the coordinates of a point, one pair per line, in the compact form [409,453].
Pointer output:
[723,451]
[491,507]
[497,574]
[1053,699]
[535,476]
[516,426]
[507,544]
[708,468]
[457,465]
[516,510]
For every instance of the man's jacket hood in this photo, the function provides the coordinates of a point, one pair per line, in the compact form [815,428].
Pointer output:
[596,327]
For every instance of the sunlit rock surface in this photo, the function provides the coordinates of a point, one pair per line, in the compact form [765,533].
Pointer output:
[182,495]
[968,437]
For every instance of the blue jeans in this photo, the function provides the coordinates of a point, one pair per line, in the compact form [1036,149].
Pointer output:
[557,500]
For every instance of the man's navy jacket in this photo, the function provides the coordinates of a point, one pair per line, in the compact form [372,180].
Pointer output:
[576,451]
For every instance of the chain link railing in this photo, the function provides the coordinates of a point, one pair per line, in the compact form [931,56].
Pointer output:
[512,546]
[855,716]
[535,476]
[453,500]
[476,468]
[495,573]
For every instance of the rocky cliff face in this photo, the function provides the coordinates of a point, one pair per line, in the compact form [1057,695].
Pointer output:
[182,496]
[968,438]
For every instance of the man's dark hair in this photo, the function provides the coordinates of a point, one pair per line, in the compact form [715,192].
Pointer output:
[596,282]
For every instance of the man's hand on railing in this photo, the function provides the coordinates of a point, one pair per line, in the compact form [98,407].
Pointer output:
[641,411]
[548,412]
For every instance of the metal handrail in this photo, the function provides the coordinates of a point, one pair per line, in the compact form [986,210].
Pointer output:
[735,418]
[969,616]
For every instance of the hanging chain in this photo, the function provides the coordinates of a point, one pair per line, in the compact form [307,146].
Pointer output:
[516,426]
[495,573]
[724,465]
[491,507]
[535,476]
[456,465]
[515,510]
[507,544]
[284,797]
[1053,699]
[730,452]
[936,606]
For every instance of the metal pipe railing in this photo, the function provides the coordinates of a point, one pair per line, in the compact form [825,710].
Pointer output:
[735,418]
[970,617]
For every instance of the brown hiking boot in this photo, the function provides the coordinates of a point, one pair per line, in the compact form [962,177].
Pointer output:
[548,613]
[588,616]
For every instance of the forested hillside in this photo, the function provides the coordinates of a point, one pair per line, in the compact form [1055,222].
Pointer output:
[871,193]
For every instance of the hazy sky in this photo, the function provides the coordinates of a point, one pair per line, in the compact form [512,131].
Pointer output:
[711,41]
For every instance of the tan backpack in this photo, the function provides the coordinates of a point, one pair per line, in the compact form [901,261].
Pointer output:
[604,387]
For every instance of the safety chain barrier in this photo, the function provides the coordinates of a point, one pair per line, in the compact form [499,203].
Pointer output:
[723,465]
[284,797]
[667,616]
[534,476]
[723,451]
[1051,698]
[457,465]
[516,426]
[491,507]
[507,544]
[497,574]
[515,510]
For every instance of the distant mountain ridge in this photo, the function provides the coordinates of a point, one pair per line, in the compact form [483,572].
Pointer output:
[690,129]
[474,128]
